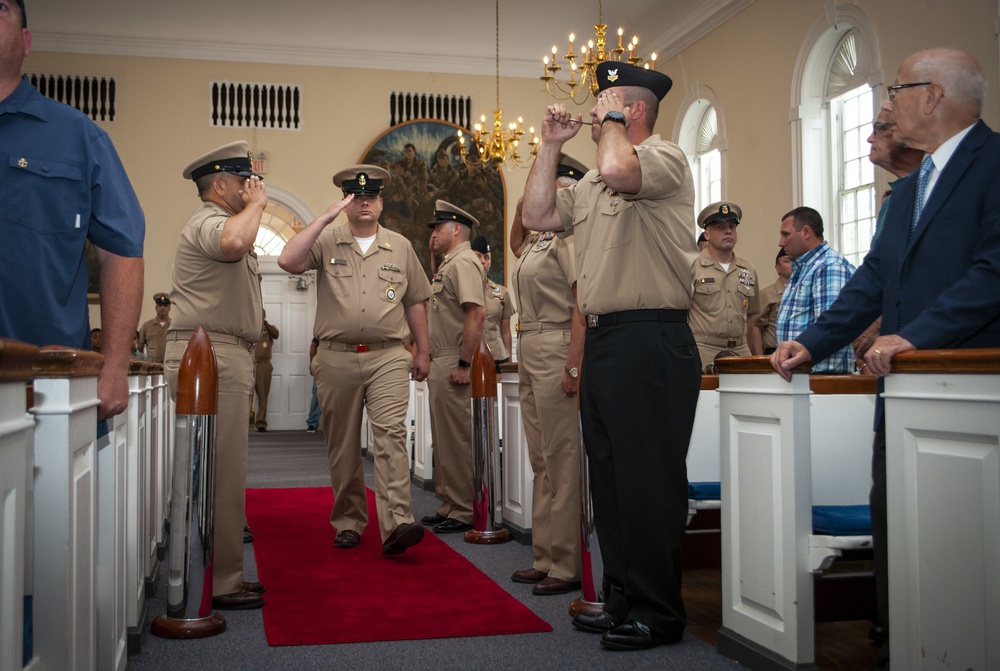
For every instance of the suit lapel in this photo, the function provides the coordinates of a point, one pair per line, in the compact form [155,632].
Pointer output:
[949,178]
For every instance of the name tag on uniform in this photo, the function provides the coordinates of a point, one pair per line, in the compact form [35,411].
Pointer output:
[338,262]
[705,280]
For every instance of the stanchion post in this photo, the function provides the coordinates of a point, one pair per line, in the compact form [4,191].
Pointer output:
[592,567]
[487,514]
[189,576]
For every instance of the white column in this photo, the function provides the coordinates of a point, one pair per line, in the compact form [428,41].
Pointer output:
[137,501]
[112,632]
[943,468]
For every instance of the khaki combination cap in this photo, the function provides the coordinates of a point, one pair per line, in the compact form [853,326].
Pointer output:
[446,212]
[362,180]
[722,212]
[162,298]
[233,158]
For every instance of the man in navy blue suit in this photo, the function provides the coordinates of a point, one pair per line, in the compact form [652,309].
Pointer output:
[934,272]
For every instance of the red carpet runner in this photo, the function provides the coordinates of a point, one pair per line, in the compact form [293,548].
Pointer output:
[318,594]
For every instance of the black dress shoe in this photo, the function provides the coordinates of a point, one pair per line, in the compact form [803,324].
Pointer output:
[551,586]
[529,575]
[634,635]
[346,539]
[242,600]
[450,526]
[252,586]
[431,520]
[595,623]
[402,537]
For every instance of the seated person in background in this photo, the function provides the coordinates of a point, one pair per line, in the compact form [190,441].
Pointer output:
[96,339]
[818,275]
[136,353]
[770,299]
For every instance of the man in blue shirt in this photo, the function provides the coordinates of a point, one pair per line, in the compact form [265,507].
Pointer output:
[818,275]
[63,184]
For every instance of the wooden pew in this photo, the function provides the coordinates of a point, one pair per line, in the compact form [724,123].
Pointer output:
[518,478]
[16,439]
[772,432]
[943,468]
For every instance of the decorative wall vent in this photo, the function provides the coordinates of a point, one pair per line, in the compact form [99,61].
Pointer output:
[94,96]
[404,106]
[248,105]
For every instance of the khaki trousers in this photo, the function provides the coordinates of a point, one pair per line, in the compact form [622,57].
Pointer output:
[347,382]
[451,433]
[235,385]
[551,427]
[262,385]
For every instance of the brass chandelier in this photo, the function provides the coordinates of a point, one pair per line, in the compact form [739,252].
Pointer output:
[594,53]
[497,146]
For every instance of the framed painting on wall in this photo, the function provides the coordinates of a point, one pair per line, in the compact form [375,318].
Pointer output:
[425,163]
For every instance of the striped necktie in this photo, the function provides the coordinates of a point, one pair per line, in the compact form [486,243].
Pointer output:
[925,170]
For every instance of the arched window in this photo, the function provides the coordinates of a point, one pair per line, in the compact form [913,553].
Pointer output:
[833,96]
[281,220]
[852,109]
[701,134]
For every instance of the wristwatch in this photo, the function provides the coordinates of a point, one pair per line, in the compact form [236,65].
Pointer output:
[573,372]
[462,363]
[617,117]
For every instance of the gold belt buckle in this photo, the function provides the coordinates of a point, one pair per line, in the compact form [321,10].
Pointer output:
[592,321]
[361,348]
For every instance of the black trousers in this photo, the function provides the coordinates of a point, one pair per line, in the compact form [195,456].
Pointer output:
[639,390]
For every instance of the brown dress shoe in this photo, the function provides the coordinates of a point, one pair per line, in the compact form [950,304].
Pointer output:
[252,586]
[529,575]
[552,585]
[242,600]
[402,537]
[347,539]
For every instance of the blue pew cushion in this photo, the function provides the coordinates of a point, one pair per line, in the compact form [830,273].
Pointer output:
[842,520]
[705,491]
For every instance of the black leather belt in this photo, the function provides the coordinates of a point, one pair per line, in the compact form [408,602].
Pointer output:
[629,316]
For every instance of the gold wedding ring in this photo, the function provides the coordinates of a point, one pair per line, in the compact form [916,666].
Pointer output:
[877,352]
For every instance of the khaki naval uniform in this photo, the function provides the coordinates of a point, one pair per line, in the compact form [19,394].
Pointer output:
[543,281]
[361,363]
[497,308]
[722,303]
[153,337]
[770,301]
[640,376]
[222,297]
[459,280]
[262,376]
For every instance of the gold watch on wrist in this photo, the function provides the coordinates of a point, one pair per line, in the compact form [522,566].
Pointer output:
[573,372]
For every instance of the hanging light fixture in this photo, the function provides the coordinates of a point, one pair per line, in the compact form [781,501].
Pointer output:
[497,146]
[582,78]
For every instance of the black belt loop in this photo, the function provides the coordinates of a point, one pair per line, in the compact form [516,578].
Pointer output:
[629,316]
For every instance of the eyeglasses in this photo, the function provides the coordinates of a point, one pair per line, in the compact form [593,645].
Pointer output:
[892,90]
[879,128]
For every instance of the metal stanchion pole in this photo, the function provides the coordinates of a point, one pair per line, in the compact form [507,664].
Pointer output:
[189,576]
[592,567]
[487,513]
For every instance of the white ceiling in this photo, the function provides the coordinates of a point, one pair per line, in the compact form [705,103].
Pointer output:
[445,36]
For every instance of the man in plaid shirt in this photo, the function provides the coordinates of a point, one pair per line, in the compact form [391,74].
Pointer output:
[819,274]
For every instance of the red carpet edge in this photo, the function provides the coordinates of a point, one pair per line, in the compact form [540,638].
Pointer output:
[318,594]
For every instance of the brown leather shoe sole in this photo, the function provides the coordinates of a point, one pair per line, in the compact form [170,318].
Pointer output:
[241,600]
[551,586]
[529,576]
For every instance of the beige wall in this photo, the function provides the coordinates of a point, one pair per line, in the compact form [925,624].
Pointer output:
[749,62]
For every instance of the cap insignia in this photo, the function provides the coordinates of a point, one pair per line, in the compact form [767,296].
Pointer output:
[724,209]
[362,179]
[612,75]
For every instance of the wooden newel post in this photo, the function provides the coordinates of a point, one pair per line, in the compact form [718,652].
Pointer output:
[189,577]
[487,514]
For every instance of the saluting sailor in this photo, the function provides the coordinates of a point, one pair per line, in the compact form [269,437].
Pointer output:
[371,293]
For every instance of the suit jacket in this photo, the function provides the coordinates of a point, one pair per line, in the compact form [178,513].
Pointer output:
[939,286]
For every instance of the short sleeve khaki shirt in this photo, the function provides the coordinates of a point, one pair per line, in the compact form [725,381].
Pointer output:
[459,280]
[543,279]
[498,307]
[723,300]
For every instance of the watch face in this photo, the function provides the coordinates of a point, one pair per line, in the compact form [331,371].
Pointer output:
[614,116]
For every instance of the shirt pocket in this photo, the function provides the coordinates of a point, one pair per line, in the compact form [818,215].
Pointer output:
[46,196]
[616,222]
[392,285]
[340,278]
